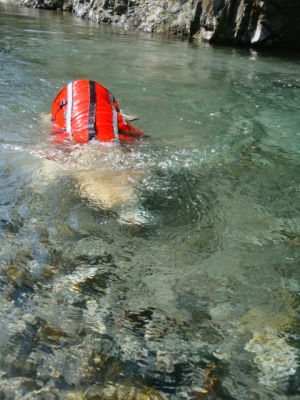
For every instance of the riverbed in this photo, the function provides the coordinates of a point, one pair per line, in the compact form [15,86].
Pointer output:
[201,299]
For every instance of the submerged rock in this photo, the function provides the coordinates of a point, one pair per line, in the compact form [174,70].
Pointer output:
[275,359]
[121,392]
[255,23]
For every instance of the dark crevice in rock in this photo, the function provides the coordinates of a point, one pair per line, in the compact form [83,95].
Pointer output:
[195,23]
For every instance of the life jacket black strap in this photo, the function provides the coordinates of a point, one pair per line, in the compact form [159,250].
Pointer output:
[92,111]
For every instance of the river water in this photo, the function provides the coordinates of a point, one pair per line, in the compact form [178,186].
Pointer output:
[200,299]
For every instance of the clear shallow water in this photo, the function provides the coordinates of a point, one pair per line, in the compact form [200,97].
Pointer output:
[201,302]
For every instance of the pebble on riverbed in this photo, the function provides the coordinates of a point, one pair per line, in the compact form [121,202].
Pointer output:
[275,359]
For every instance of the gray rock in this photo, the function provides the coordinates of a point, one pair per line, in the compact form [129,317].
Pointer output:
[252,23]
[256,23]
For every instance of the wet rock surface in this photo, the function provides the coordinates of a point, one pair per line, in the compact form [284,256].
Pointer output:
[252,23]
[86,332]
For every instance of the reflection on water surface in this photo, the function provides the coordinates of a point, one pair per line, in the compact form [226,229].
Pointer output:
[198,302]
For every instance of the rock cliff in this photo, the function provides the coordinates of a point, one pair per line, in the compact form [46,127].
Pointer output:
[257,23]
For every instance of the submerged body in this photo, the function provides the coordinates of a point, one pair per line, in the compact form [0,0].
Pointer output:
[84,112]
[104,176]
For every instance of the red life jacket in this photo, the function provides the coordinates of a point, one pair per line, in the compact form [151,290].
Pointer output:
[86,110]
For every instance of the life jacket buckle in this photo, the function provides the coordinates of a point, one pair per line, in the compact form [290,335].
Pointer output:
[63,103]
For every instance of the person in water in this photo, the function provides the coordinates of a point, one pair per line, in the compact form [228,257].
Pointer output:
[84,110]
